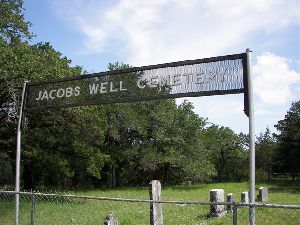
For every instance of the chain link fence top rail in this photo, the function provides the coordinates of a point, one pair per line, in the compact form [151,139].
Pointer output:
[61,209]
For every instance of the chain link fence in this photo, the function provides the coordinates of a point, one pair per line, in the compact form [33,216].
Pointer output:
[63,209]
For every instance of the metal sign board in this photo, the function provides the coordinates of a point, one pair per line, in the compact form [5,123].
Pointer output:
[202,77]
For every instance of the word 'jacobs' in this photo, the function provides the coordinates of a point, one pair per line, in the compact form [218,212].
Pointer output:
[59,93]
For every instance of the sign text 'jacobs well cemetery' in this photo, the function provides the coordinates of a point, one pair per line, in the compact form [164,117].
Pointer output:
[202,77]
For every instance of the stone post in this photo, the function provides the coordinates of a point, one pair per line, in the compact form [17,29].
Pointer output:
[217,195]
[245,197]
[156,215]
[263,194]
[230,198]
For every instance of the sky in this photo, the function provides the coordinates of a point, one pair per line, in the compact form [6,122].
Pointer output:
[94,33]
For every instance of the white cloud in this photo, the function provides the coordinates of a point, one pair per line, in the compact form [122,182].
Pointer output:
[273,79]
[148,32]
[221,110]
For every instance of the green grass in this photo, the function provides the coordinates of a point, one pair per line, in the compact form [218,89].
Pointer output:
[79,212]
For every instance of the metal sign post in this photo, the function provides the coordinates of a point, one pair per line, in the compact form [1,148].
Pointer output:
[18,153]
[251,141]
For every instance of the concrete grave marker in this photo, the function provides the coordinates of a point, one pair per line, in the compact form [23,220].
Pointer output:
[230,198]
[245,197]
[263,194]
[217,195]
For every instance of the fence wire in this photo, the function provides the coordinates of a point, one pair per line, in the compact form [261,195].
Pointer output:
[62,209]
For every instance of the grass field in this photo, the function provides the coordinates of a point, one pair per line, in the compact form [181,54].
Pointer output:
[58,211]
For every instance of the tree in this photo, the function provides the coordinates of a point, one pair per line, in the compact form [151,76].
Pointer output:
[20,61]
[13,27]
[227,152]
[265,153]
[112,145]
[288,155]
[56,153]
[194,156]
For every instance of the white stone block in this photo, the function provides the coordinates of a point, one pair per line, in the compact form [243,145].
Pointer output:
[217,195]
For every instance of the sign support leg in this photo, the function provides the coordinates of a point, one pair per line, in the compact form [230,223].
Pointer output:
[251,142]
[18,154]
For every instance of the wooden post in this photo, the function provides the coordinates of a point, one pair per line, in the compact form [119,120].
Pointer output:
[156,215]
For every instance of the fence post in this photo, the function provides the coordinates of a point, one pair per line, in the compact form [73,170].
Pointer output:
[156,215]
[32,208]
[234,216]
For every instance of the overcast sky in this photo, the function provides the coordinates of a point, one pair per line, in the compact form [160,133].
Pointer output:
[93,33]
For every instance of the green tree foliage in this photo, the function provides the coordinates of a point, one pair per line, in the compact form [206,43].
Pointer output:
[13,27]
[106,145]
[20,61]
[153,140]
[57,153]
[227,152]
[264,155]
[288,155]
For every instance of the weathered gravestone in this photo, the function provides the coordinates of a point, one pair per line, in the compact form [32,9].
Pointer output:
[230,198]
[217,195]
[189,183]
[156,215]
[245,197]
[263,194]
[110,220]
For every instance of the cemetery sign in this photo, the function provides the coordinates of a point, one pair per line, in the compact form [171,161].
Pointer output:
[191,78]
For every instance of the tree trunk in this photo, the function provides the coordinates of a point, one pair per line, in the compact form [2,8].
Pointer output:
[166,173]
[222,165]
[113,176]
[27,177]
[268,170]
[13,169]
